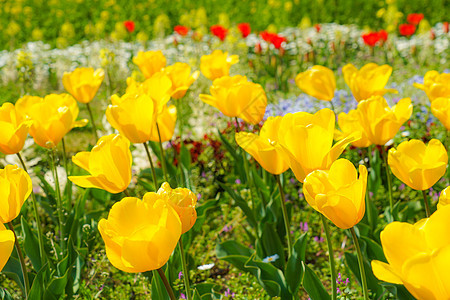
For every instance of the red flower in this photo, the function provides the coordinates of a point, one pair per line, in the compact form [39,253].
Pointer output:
[244,28]
[445,27]
[371,38]
[414,19]
[129,25]
[219,31]
[383,35]
[407,29]
[181,30]
[318,27]
[273,38]
[277,40]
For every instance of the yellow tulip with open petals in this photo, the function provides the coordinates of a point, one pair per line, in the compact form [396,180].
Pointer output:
[435,85]
[134,117]
[53,117]
[109,163]
[15,187]
[14,129]
[440,107]
[83,83]
[369,81]
[444,198]
[7,240]
[183,201]
[237,97]
[150,62]
[318,82]
[217,64]
[418,165]
[338,194]
[263,146]
[380,122]
[140,235]
[350,123]
[158,87]
[418,256]
[306,141]
[181,77]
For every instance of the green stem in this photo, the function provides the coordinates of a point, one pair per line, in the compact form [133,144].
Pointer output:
[388,174]
[285,215]
[179,103]
[155,181]
[361,264]
[36,215]
[92,121]
[156,285]
[166,284]
[69,183]
[332,107]
[427,205]
[163,158]
[185,270]
[331,257]
[125,191]
[58,196]
[22,261]
[366,153]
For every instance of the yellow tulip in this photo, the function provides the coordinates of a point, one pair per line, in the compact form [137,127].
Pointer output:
[132,116]
[369,81]
[7,240]
[435,85]
[15,187]
[150,62]
[181,77]
[350,123]
[183,201]
[166,124]
[418,165]
[338,194]
[440,107]
[237,97]
[140,235]
[318,82]
[109,164]
[262,147]
[380,122]
[53,117]
[83,83]
[217,64]
[14,129]
[158,87]
[306,141]
[418,256]
[444,198]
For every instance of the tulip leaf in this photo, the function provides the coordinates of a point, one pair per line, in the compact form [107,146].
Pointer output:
[242,204]
[374,250]
[311,283]
[37,287]
[233,150]
[399,291]
[31,245]
[185,157]
[372,282]
[294,269]
[158,289]
[243,258]
[5,295]
[375,172]
[205,291]
[272,244]
[13,270]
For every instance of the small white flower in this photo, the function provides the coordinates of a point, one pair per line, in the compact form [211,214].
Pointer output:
[271,258]
[205,267]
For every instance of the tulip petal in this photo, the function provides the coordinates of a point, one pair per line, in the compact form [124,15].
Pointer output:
[6,245]
[385,272]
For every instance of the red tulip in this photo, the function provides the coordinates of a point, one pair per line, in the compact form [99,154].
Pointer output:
[414,19]
[267,36]
[318,27]
[245,29]
[181,30]
[219,31]
[407,29]
[129,25]
[273,38]
[371,38]
[383,35]
[445,27]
